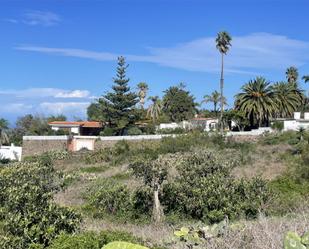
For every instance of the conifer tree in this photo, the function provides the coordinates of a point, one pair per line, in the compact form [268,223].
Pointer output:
[117,106]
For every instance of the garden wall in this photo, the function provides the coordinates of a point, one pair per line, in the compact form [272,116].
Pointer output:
[34,145]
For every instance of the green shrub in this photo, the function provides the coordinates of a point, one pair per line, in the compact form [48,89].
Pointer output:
[102,155]
[134,131]
[172,131]
[110,197]
[106,237]
[149,129]
[87,240]
[288,195]
[26,207]
[107,132]
[284,137]
[277,125]
[206,190]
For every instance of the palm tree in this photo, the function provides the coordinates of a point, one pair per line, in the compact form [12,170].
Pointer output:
[292,74]
[214,98]
[4,125]
[256,100]
[288,98]
[223,43]
[154,110]
[306,78]
[143,88]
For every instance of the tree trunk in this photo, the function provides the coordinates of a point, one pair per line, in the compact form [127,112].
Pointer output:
[157,213]
[215,108]
[221,91]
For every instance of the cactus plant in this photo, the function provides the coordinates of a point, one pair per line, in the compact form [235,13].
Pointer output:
[123,245]
[305,239]
[293,241]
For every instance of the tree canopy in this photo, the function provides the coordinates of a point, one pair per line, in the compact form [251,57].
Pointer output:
[178,104]
[116,107]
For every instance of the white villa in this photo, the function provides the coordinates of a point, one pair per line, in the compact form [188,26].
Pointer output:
[296,122]
[11,152]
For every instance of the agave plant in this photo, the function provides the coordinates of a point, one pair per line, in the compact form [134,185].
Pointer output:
[123,245]
[294,241]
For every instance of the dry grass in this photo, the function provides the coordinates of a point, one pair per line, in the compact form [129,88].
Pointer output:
[153,233]
[261,234]
[266,161]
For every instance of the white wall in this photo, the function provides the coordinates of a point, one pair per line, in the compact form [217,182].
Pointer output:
[11,152]
[294,125]
[169,126]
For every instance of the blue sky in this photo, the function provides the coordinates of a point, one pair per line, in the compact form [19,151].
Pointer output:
[58,56]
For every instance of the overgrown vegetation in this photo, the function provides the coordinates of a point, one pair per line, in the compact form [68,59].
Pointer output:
[186,179]
[27,212]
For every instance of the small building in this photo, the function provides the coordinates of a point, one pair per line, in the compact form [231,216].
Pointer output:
[207,124]
[10,152]
[81,128]
[296,122]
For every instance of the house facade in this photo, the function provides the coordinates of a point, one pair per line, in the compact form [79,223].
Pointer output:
[82,128]
[297,122]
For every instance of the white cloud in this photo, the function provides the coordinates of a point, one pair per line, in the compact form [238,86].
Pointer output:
[256,51]
[42,18]
[46,92]
[73,94]
[16,108]
[71,108]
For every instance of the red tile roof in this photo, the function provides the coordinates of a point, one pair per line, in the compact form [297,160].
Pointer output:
[87,124]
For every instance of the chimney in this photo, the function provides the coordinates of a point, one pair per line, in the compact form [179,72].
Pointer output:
[296,115]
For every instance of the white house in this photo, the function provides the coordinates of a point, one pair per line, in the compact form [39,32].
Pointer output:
[84,128]
[11,152]
[296,122]
[207,124]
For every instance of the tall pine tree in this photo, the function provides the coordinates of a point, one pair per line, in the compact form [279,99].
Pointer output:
[117,106]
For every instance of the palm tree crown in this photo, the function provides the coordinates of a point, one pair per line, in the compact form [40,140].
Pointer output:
[306,78]
[288,98]
[256,100]
[223,42]
[214,98]
[143,88]
[154,110]
[292,74]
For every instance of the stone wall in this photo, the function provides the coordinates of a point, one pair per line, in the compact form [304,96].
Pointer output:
[38,145]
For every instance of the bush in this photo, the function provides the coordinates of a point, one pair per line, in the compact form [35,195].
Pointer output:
[172,131]
[149,129]
[107,132]
[87,240]
[106,237]
[91,240]
[285,137]
[26,206]
[134,131]
[277,125]
[289,195]
[206,190]
[111,198]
